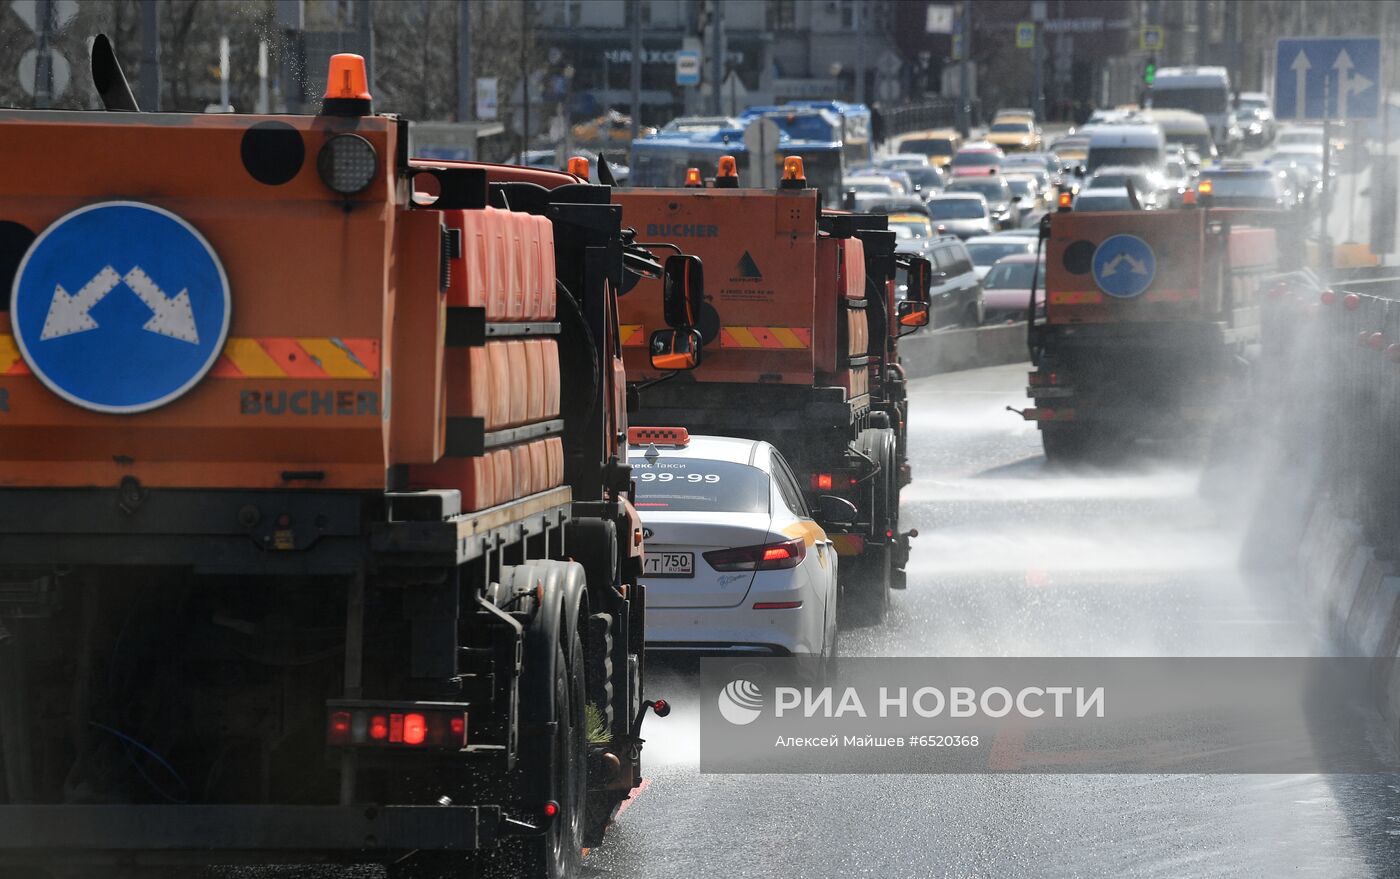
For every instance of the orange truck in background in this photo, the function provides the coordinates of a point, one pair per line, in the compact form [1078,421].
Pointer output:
[1150,322]
[315,542]
[798,333]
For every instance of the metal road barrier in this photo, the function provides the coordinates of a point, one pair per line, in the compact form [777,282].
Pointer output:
[1330,376]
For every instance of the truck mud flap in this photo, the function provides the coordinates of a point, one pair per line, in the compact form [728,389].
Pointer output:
[257,833]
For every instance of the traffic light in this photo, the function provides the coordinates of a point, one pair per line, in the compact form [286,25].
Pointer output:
[1149,72]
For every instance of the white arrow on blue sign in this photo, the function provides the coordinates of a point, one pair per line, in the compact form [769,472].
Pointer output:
[1328,78]
[147,316]
[1124,266]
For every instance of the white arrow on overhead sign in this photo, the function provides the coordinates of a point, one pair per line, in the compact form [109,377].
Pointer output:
[1300,68]
[69,314]
[1347,83]
[173,317]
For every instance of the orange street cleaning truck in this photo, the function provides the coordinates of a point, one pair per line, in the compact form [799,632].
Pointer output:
[315,540]
[796,342]
[1149,324]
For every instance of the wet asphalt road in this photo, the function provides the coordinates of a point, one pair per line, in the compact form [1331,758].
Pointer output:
[1016,559]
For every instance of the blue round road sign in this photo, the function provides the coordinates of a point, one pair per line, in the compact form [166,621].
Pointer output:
[1124,266]
[120,307]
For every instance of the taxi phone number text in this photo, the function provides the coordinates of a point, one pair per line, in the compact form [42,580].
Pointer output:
[645,476]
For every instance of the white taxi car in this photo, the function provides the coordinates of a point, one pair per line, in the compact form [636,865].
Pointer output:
[734,561]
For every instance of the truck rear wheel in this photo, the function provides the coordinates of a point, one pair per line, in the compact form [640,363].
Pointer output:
[558,853]
[1064,445]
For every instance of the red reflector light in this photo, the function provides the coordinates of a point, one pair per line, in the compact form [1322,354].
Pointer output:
[1351,301]
[1328,297]
[339,731]
[765,557]
[550,809]
[428,726]
[415,729]
[821,481]
[776,605]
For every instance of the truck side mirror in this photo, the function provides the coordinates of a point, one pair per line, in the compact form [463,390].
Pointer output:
[920,280]
[683,290]
[912,314]
[833,510]
[675,350]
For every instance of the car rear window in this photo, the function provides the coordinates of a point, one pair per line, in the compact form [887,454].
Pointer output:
[697,485]
[956,209]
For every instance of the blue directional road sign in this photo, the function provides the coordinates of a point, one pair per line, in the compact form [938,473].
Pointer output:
[120,307]
[1328,78]
[1124,266]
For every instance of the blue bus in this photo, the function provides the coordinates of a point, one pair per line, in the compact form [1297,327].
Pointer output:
[857,139]
[812,132]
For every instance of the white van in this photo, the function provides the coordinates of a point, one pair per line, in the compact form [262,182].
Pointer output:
[1204,90]
[1138,145]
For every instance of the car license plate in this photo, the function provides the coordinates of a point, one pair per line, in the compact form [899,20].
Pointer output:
[669,564]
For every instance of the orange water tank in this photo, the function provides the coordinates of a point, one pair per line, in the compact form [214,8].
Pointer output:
[554,460]
[503,469]
[547,278]
[534,380]
[498,413]
[530,232]
[517,381]
[469,383]
[471,281]
[550,354]
[498,254]
[518,226]
[524,473]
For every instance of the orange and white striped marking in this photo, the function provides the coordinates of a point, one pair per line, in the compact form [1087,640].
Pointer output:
[264,358]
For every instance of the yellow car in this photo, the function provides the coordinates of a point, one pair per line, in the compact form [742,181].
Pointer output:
[1015,135]
[939,144]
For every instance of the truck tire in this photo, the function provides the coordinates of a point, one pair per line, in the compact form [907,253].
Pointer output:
[866,584]
[1064,445]
[558,852]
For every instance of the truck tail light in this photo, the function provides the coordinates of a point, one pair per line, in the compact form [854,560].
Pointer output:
[764,557]
[821,482]
[408,725]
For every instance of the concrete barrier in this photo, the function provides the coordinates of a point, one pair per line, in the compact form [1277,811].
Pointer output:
[1358,596]
[930,353]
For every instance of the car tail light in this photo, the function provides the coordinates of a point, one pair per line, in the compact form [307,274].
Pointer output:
[821,482]
[764,557]
[776,605]
[408,725]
